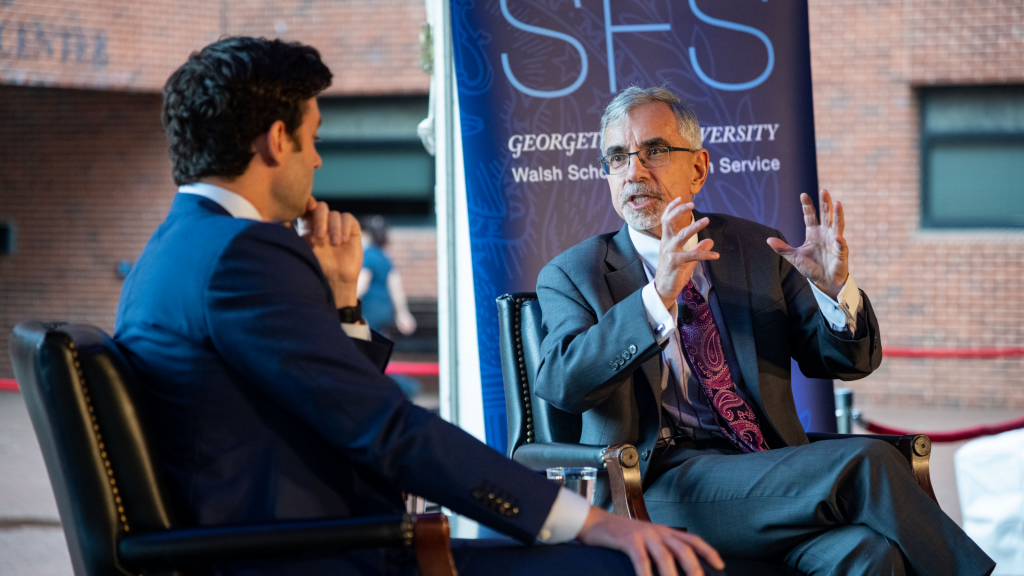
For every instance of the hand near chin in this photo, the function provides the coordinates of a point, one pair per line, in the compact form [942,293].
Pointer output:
[824,257]
[337,244]
[675,264]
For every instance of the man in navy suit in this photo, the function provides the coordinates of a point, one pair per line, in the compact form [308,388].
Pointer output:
[263,390]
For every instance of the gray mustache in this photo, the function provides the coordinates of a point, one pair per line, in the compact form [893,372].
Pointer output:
[644,188]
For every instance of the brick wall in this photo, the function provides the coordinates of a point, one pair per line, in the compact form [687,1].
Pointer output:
[929,288]
[85,177]
[114,44]
[84,174]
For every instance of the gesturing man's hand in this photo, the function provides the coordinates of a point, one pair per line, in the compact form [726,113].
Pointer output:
[675,266]
[644,542]
[823,258]
[337,244]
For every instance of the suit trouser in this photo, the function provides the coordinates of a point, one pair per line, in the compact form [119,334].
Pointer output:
[830,507]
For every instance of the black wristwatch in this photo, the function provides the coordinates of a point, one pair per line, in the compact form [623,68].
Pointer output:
[351,314]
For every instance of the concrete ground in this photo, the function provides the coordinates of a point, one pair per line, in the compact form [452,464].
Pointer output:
[32,542]
[31,539]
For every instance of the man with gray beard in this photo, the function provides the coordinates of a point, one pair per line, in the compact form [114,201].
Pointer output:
[676,333]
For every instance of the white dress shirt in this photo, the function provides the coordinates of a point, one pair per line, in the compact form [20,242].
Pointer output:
[567,514]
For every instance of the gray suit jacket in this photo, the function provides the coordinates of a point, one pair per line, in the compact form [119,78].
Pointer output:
[600,358]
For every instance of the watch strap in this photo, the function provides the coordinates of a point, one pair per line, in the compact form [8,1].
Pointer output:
[351,314]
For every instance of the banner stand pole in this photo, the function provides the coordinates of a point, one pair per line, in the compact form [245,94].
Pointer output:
[459,360]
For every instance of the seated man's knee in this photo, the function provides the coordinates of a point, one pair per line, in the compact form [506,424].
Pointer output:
[876,451]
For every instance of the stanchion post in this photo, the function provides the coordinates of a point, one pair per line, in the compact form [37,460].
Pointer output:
[844,410]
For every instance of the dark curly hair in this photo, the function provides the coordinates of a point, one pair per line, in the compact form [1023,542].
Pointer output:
[229,93]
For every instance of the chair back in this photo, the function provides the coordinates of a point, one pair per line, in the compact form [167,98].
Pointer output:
[78,390]
[530,419]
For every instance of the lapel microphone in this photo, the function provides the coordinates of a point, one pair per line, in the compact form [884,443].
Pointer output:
[685,314]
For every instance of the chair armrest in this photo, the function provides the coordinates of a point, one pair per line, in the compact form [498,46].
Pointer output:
[623,464]
[550,455]
[187,547]
[916,448]
[620,461]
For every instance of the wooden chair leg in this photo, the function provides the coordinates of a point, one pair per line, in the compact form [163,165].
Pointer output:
[623,465]
[433,548]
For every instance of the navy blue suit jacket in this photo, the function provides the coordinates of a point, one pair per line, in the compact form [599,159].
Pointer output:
[261,408]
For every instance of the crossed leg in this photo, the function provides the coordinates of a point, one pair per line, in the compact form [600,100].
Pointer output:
[768,505]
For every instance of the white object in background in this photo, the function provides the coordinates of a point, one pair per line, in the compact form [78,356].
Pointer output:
[990,481]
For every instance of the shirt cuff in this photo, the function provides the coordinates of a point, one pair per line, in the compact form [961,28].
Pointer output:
[566,518]
[842,314]
[661,319]
[356,331]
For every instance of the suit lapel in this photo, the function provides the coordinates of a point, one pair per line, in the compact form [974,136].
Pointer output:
[728,275]
[626,277]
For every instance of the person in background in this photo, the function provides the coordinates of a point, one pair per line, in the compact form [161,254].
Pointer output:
[382,296]
[380,289]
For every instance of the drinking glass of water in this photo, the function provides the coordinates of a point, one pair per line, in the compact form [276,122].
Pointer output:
[576,479]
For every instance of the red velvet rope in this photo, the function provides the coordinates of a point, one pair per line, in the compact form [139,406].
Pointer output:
[407,368]
[413,368]
[949,435]
[991,352]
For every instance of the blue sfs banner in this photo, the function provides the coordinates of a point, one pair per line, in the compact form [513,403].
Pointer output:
[533,79]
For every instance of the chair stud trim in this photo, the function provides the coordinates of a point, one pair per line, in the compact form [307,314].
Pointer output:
[98,436]
[521,361]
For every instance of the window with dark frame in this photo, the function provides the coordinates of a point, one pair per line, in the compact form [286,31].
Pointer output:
[373,160]
[6,238]
[972,156]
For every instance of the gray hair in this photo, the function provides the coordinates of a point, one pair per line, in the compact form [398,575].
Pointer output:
[633,97]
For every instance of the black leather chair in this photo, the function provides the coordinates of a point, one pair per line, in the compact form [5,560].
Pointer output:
[115,513]
[541,436]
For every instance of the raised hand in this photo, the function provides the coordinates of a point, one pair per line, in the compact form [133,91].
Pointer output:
[644,542]
[824,257]
[337,244]
[675,266]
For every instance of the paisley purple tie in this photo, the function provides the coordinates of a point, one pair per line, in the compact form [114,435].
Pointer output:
[703,346]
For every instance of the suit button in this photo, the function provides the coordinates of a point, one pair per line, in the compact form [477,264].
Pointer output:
[626,355]
[645,454]
[632,348]
[613,365]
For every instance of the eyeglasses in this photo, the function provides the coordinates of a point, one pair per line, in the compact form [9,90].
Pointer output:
[653,157]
